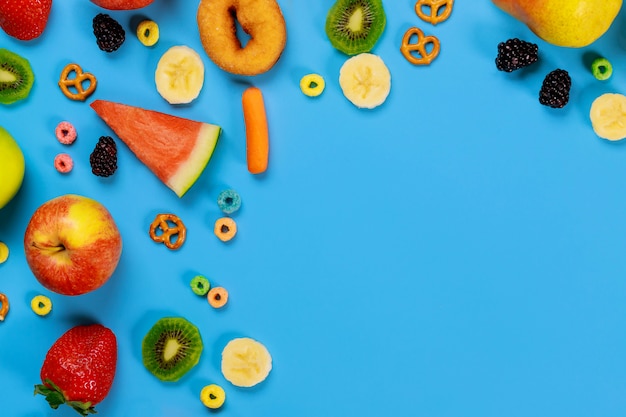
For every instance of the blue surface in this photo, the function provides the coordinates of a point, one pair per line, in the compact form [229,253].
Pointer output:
[458,251]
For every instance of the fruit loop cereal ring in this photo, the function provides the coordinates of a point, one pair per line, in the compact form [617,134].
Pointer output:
[217,297]
[74,88]
[4,309]
[65,133]
[434,7]
[229,201]
[41,305]
[148,32]
[169,230]
[261,19]
[601,69]
[200,285]
[312,85]
[420,46]
[225,229]
[213,396]
[63,163]
[4,252]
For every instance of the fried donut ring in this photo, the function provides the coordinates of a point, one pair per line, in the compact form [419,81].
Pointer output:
[262,20]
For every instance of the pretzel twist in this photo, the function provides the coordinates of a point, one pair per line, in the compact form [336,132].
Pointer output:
[168,229]
[5,306]
[408,48]
[68,85]
[434,6]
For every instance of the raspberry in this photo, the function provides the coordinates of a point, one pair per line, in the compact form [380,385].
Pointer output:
[555,89]
[103,159]
[514,54]
[109,33]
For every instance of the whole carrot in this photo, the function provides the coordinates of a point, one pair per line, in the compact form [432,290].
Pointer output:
[257,134]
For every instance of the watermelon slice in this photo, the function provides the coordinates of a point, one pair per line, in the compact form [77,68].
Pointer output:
[175,149]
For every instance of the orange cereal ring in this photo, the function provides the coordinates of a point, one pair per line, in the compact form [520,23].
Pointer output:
[217,297]
[262,20]
[4,309]
[74,88]
[424,55]
[225,229]
[168,229]
[434,7]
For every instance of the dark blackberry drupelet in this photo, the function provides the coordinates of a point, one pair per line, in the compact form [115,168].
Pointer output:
[109,33]
[515,53]
[555,89]
[103,159]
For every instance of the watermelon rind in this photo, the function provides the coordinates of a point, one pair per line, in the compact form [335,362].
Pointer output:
[189,172]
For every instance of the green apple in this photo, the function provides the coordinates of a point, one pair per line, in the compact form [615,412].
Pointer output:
[570,23]
[11,167]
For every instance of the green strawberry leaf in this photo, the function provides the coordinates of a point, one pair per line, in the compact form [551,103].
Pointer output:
[55,398]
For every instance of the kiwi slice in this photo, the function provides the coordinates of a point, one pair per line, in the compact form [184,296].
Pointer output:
[354,26]
[171,348]
[16,77]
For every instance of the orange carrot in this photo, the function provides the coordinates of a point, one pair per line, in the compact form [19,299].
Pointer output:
[257,134]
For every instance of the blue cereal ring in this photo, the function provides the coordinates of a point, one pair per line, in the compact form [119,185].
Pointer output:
[229,201]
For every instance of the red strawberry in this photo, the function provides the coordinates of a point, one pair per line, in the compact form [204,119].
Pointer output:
[24,19]
[122,4]
[79,368]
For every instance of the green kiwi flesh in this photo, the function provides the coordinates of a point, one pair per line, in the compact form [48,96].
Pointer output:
[354,26]
[171,348]
[16,77]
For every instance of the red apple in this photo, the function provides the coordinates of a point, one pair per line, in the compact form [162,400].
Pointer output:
[122,4]
[72,244]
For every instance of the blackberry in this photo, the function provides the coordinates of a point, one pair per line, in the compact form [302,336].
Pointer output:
[555,89]
[103,159]
[515,53]
[109,33]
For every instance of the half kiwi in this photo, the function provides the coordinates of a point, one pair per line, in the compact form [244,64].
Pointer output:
[354,26]
[16,77]
[171,348]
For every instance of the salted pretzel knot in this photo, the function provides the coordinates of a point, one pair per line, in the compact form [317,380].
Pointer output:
[434,6]
[169,230]
[74,87]
[423,56]
[5,306]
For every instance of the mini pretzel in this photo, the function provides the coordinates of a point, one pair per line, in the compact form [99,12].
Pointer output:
[434,6]
[162,230]
[407,48]
[5,306]
[73,88]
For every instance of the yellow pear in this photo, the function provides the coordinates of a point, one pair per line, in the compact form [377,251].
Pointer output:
[571,23]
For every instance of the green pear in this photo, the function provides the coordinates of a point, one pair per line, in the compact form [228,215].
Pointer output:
[11,167]
[570,23]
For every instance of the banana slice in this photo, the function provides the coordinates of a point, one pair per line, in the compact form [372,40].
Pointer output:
[608,116]
[179,75]
[365,80]
[245,362]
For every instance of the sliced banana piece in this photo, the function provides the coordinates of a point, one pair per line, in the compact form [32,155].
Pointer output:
[179,75]
[608,116]
[245,362]
[365,80]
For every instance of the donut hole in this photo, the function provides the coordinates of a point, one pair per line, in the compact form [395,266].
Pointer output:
[242,36]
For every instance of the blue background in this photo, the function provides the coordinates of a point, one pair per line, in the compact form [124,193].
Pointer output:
[458,251]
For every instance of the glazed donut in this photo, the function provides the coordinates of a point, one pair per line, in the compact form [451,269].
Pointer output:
[262,20]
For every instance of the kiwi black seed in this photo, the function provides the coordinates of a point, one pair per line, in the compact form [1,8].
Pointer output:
[16,77]
[171,348]
[354,26]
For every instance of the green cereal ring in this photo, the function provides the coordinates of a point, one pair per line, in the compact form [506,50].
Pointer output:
[148,32]
[200,285]
[601,68]
[41,305]
[229,201]
[213,396]
[312,85]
